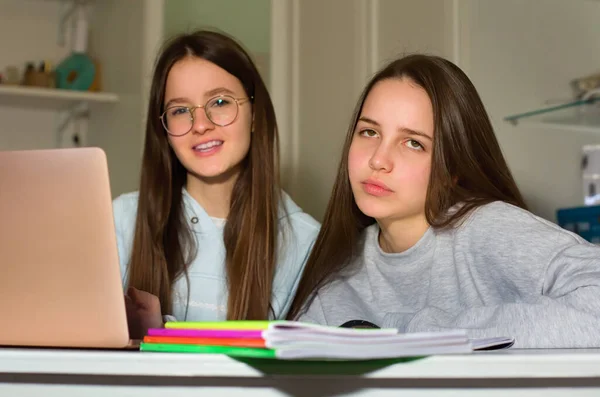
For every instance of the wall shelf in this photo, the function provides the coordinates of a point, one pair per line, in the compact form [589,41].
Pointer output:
[50,98]
[582,115]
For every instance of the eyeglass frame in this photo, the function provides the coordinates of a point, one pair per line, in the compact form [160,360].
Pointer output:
[192,110]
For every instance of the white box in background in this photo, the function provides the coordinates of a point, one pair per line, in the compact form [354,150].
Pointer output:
[590,173]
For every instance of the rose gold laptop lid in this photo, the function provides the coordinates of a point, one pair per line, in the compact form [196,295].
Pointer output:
[60,283]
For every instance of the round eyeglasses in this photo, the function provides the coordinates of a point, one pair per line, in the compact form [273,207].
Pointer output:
[221,110]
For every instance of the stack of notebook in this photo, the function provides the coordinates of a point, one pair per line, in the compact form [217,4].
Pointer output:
[297,341]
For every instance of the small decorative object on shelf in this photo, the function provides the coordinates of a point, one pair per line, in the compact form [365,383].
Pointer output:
[78,70]
[41,77]
[590,172]
[11,77]
[583,85]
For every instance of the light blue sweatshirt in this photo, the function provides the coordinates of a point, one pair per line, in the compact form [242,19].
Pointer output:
[208,288]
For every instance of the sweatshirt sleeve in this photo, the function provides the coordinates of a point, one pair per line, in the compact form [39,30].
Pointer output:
[554,275]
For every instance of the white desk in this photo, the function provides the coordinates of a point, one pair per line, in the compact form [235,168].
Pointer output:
[67,373]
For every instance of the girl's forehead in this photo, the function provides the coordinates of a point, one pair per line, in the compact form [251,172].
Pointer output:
[199,76]
[399,104]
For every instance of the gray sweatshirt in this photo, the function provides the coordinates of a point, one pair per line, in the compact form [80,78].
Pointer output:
[502,272]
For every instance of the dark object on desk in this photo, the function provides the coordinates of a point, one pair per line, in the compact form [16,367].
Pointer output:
[359,324]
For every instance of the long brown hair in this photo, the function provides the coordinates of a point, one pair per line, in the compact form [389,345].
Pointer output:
[467,167]
[163,244]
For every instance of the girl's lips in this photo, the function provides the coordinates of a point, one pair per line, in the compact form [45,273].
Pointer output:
[375,190]
[207,151]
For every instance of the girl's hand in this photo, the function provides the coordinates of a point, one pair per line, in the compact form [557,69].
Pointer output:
[143,312]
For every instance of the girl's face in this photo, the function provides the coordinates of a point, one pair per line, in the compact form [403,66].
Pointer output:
[209,151]
[389,162]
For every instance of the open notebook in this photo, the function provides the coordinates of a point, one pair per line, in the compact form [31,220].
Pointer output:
[301,341]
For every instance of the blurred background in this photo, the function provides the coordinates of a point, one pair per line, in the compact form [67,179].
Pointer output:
[536,64]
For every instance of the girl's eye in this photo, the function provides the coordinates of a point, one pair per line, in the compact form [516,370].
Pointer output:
[178,111]
[368,133]
[219,103]
[415,145]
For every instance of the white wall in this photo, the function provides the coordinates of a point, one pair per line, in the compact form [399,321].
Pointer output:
[247,21]
[520,54]
[407,26]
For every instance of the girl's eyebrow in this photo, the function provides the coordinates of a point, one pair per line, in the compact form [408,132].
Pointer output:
[207,94]
[177,100]
[410,131]
[369,121]
[218,90]
[405,130]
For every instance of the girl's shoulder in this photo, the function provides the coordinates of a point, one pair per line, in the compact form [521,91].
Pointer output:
[125,208]
[126,200]
[290,213]
[500,221]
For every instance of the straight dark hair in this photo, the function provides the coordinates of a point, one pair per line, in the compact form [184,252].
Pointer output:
[467,167]
[163,244]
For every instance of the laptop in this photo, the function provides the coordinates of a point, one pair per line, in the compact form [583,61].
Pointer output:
[60,282]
